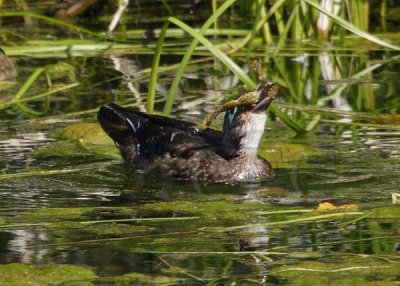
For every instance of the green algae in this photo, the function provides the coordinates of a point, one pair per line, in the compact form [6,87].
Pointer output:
[387,212]
[288,155]
[21,274]
[137,279]
[209,210]
[80,139]
[16,274]
[87,132]
[62,217]
[67,217]
[348,270]
[54,214]
[59,149]
[91,138]
[116,219]
[70,275]
[116,229]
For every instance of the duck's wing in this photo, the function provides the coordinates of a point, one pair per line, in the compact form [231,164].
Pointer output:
[139,135]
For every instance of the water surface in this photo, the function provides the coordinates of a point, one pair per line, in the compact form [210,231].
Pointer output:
[64,203]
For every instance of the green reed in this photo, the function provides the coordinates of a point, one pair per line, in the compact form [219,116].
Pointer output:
[299,26]
[282,27]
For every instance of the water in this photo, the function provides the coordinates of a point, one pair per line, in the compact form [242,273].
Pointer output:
[120,226]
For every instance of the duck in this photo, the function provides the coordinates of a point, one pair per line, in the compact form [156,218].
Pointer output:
[7,68]
[185,150]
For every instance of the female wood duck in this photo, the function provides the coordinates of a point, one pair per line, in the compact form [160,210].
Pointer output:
[180,149]
[7,68]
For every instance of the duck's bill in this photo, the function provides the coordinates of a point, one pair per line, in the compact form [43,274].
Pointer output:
[262,105]
[267,92]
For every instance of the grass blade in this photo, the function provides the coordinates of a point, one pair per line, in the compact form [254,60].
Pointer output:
[154,69]
[28,83]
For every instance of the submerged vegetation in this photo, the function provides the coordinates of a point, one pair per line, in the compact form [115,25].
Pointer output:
[77,217]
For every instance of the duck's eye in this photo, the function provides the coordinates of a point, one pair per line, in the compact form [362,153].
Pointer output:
[231,114]
[262,95]
[232,110]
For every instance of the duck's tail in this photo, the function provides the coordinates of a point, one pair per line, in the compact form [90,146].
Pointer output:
[119,123]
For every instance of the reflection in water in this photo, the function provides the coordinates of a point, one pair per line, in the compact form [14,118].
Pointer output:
[345,172]
[15,150]
[23,240]
[330,72]
[342,174]
[24,143]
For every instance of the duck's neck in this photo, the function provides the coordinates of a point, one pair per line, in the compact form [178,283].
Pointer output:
[243,139]
[254,131]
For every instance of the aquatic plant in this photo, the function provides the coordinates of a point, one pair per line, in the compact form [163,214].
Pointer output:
[299,27]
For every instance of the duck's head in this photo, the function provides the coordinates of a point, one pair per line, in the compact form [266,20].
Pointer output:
[244,123]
